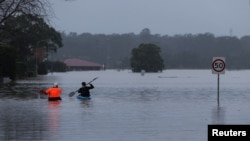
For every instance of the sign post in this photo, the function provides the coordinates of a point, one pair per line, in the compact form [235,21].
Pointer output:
[218,67]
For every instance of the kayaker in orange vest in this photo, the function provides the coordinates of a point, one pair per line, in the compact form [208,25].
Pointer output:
[54,93]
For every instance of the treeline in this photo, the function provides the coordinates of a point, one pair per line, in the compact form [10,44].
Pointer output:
[180,51]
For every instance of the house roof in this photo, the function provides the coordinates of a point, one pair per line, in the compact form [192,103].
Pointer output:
[80,63]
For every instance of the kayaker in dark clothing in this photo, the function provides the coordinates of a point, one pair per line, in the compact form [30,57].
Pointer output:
[84,90]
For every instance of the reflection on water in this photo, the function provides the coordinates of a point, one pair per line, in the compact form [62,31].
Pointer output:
[28,120]
[54,118]
[174,105]
[19,91]
[20,121]
[218,115]
[86,103]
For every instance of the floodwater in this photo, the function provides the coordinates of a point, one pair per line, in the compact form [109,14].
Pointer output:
[175,105]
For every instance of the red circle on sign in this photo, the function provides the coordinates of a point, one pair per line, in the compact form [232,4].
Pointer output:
[220,60]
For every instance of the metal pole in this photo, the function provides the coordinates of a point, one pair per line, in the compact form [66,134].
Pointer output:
[218,91]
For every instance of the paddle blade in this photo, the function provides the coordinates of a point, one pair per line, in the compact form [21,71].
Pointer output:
[71,94]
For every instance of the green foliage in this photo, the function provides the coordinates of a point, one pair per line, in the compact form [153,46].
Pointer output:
[27,33]
[146,57]
[7,61]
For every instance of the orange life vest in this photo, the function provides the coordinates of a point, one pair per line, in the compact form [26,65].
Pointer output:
[54,92]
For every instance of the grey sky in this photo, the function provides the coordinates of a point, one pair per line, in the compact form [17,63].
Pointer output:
[165,17]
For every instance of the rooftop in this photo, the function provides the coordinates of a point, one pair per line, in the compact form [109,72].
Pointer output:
[73,62]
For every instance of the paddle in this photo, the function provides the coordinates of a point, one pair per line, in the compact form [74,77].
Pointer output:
[42,91]
[73,93]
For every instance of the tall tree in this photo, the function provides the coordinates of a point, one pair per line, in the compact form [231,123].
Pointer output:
[29,33]
[32,37]
[146,57]
[14,8]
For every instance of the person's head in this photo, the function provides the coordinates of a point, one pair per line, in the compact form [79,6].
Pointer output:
[83,83]
[55,84]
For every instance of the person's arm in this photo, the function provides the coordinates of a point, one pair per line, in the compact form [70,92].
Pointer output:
[79,90]
[47,91]
[91,86]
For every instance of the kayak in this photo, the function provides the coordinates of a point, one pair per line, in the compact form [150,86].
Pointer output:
[82,97]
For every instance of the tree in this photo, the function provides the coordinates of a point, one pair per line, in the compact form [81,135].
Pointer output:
[56,66]
[29,32]
[146,57]
[32,37]
[14,8]
[7,61]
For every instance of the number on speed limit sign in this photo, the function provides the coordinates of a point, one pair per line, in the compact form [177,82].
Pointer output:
[218,65]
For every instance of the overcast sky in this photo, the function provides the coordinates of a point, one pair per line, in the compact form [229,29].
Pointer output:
[164,17]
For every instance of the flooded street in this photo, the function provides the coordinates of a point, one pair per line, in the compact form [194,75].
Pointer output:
[174,105]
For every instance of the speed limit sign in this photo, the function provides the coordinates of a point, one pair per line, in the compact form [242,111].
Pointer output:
[218,65]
